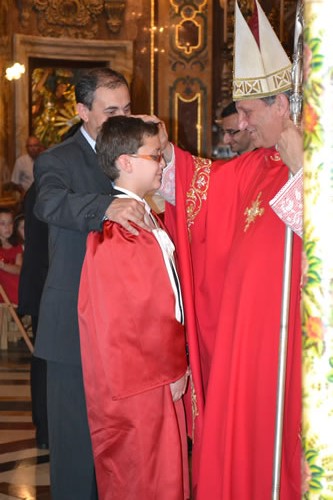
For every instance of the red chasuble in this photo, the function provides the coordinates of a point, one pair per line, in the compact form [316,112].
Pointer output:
[132,348]
[231,245]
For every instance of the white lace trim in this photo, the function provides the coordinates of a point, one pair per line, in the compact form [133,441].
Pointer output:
[288,203]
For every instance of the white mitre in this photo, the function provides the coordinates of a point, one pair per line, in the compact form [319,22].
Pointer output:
[258,71]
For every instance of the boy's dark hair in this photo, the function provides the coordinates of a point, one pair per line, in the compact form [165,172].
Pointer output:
[121,135]
[90,81]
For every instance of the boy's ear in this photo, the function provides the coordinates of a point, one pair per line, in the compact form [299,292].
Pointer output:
[124,163]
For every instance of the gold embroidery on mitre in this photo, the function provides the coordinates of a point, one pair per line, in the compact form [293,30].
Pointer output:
[253,212]
[262,86]
[198,189]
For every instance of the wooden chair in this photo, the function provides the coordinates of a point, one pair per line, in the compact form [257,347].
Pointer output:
[8,311]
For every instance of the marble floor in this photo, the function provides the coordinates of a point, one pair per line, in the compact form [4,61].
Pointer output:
[24,469]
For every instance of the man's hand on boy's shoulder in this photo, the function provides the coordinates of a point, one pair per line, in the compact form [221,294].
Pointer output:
[127,210]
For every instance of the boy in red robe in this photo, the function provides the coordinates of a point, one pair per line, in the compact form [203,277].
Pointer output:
[131,333]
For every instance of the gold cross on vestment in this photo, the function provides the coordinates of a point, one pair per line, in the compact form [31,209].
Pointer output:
[253,212]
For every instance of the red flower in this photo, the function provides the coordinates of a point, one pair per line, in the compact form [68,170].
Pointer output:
[310,118]
[315,328]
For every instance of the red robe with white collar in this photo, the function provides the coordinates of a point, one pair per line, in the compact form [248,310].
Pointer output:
[132,348]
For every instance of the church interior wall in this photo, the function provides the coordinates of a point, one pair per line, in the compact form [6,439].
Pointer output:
[177,55]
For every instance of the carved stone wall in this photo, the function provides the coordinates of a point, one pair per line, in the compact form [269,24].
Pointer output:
[72,18]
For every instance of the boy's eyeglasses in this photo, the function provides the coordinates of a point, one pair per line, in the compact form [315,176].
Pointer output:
[158,158]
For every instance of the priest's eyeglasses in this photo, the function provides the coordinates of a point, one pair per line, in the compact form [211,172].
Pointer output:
[230,132]
[158,158]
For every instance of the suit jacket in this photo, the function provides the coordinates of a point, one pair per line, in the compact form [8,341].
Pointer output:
[73,194]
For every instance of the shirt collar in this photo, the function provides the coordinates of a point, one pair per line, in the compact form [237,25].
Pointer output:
[90,140]
[134,195]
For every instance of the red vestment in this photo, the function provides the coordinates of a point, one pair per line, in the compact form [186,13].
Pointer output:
[132,348]
[230,245]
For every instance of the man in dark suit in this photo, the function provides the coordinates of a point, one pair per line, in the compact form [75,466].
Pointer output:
[73,197]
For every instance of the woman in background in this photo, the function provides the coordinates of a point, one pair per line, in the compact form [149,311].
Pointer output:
[10,256]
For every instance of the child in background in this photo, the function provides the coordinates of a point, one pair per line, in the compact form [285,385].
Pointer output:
[18,232]
[132,335]
[10,256]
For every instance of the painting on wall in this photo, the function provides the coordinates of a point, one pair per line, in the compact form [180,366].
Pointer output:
[53,107]
[52,99]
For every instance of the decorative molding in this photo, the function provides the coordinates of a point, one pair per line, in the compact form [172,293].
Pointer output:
[116,54]
[114,10]
[193,108]
[190,25]
[188,36]
[188,96]
[73,18]
[179,5]
[189,59]
[24,9]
